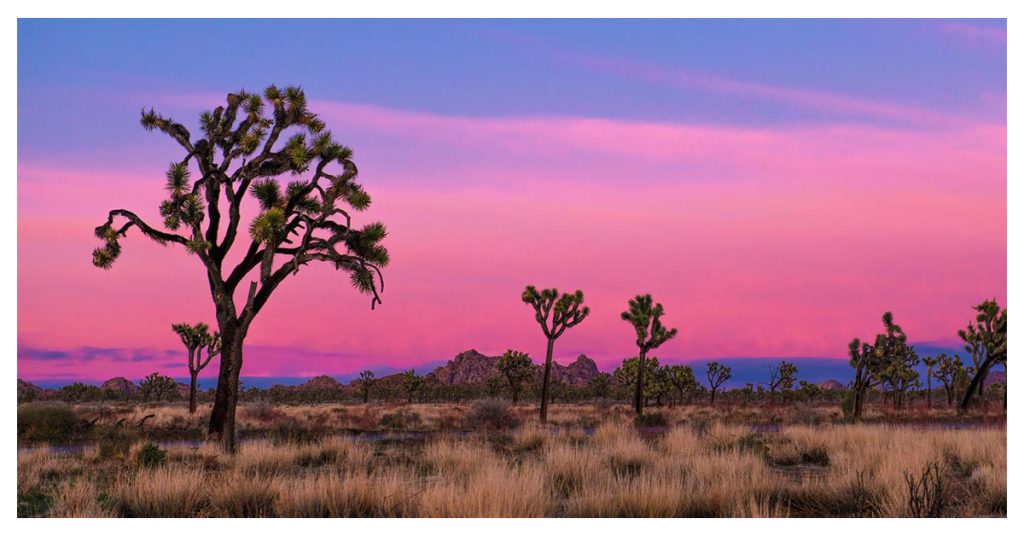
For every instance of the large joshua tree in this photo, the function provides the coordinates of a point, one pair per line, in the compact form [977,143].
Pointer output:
[989,341]
[246,146]
[869,361]
[196,338]
[555,313]
[645,317]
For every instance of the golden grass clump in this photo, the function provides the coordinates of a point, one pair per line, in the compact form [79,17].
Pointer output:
[162,492]
[492,491]
[78,498]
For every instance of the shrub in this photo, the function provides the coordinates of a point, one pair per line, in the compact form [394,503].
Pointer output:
[491,414]
[115,441]
[150,455]
[47,422]
[400,420]
[263,412]
[650,420]
[846,404]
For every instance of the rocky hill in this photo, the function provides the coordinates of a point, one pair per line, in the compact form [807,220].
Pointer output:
[29,390]
[120,385]
[472,367]
[830,385]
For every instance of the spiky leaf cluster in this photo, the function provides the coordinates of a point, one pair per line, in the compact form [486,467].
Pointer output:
[555,312]
[645,317]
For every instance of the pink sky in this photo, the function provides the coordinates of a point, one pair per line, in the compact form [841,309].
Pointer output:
[759,242]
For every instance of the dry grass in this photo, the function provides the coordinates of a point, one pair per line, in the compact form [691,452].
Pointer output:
[697,468]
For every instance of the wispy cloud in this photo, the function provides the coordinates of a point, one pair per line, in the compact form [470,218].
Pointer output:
[974,34]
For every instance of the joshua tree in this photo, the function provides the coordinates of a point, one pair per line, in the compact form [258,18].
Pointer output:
[238,154]
[717,375]
[645,317]
[600,385]
[682,379]
[366,381]
[196,338]
[989,344]
[411,382]
[948,370]
[929,363]
[516,367]
[158,387]
[868,361]
[627,374]
[781,378]
[555,313]
[899,374]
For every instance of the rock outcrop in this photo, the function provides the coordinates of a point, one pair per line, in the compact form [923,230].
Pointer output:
[830,385]
[472,367]
[28,391]
[120,385]
[322,383]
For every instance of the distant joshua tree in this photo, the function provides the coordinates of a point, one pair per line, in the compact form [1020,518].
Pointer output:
[366,381]
[555,313]
[717,375]
[238,158]
[682,379]
[196,338]
[929,363]
[948,370]
[987,344]
[411,382]
[781,378]
[869,360]
[645,317]
[158,387]
[516,367]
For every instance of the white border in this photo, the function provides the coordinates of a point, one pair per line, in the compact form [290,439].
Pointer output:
[466,9]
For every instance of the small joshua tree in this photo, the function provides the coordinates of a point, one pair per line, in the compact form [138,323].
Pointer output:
[158,387]
[781,378]
[196,338]
[988,342]
[682,379]
[645,317]
[870,360]
[516,367]
[717,375]
[366,381]
[929,363]
[411,382]
[555,313]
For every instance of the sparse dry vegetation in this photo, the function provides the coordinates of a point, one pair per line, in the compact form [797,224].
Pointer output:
[704,464]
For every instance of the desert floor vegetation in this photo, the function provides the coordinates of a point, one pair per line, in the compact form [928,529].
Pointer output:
[588,461]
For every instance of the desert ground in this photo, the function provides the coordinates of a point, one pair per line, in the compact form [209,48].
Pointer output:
[490,459]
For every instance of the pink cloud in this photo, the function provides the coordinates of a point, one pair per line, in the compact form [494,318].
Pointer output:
[795,239]
[973,34]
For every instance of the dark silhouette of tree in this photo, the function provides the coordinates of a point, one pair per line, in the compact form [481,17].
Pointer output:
[366,381]
[868,361]
[645,317]
[948,370]
[555,313]
[781,378]
[929,363]
[717,375]
[600,385]
[237,156]
[627,374]
[158,387]
[990,340]
[196,338]
[682,380]
[516,367]
[898,373]
[411,382]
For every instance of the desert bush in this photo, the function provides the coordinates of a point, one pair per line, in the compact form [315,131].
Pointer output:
[927,493]
[263,412]
[491,414]
[115,441]
[402,419]
[150,455]
[650,420]
[47,422]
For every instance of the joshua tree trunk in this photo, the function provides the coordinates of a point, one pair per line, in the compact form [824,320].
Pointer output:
[638,401]
[515,399]
[192,392]
[222,417]
[547,381]
[713,396]
[977,383]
